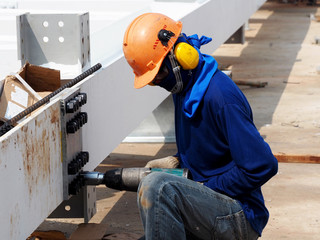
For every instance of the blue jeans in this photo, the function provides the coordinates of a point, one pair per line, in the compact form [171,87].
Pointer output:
[177,208]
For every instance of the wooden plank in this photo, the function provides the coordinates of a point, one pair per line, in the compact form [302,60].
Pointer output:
[297,158]
[47,235]
[91,231]
[122,236]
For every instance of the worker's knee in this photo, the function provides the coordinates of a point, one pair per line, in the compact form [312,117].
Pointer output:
[148,190]
[152,186]
[152,182]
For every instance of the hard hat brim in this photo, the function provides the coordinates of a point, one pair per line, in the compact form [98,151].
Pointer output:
[145,79]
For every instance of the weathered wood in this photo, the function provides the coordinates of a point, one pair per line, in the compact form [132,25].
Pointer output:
[297,158]
[47,235]
[251,83]
[91,231]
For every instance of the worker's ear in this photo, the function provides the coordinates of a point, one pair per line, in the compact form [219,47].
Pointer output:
[186,55]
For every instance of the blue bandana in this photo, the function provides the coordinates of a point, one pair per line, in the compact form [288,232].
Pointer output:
[202,74]
[195,82]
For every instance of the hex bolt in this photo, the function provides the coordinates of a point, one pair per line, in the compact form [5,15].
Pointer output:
[70,107]
[72,126]
[80,119]
[85,156]
[81,181]
[79,99]
[84,115]
[78,103]
[77,120]
[84,97]
[73,167]
[74,187]
[80,160]
[75,104]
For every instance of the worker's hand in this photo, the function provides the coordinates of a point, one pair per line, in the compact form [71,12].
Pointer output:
[167,162]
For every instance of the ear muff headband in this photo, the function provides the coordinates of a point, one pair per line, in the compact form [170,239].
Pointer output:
[186,55]
[176,71]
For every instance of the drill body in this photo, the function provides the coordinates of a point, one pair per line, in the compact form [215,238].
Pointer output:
[127,179]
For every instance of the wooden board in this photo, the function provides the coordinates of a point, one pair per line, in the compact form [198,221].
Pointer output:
[91,231]
[298,158]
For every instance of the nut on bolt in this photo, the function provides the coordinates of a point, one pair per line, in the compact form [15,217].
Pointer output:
[78,162]
[76,185]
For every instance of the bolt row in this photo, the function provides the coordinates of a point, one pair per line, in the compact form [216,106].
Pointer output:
[75,103]
[78,162]
[76,185]
[77,122]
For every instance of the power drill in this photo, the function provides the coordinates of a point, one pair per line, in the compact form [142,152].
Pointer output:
[127,179]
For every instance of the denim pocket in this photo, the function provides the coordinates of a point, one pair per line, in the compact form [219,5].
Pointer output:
[231,227]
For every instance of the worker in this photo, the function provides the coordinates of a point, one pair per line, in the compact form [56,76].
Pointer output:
[215,136]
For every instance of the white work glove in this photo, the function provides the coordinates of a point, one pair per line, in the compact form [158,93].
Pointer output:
[167,162]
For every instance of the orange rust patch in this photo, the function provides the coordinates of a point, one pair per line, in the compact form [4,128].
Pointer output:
[37,157]
[54,118]
[14,221]
[4,145]
[25,129]
[145,203]
[55,112]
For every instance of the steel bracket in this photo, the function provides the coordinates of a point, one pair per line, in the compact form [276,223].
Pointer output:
[79,200]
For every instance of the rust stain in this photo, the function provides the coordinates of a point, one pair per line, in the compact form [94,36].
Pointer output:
[37,159]
[53,134]
[44,134]
[24,129]
[55,113]
[4,145]
[145,203]
[54,118]
[14,221]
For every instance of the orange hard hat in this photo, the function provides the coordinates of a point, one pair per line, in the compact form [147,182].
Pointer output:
[142,47]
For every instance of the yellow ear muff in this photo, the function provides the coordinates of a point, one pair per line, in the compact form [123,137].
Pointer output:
[186,55]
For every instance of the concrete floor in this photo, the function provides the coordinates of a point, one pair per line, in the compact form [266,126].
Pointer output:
[280,49]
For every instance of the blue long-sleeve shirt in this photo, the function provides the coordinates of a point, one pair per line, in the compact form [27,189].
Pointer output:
[222,148]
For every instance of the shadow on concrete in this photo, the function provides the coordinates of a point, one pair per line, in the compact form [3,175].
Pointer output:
[270,54]
[124,215]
